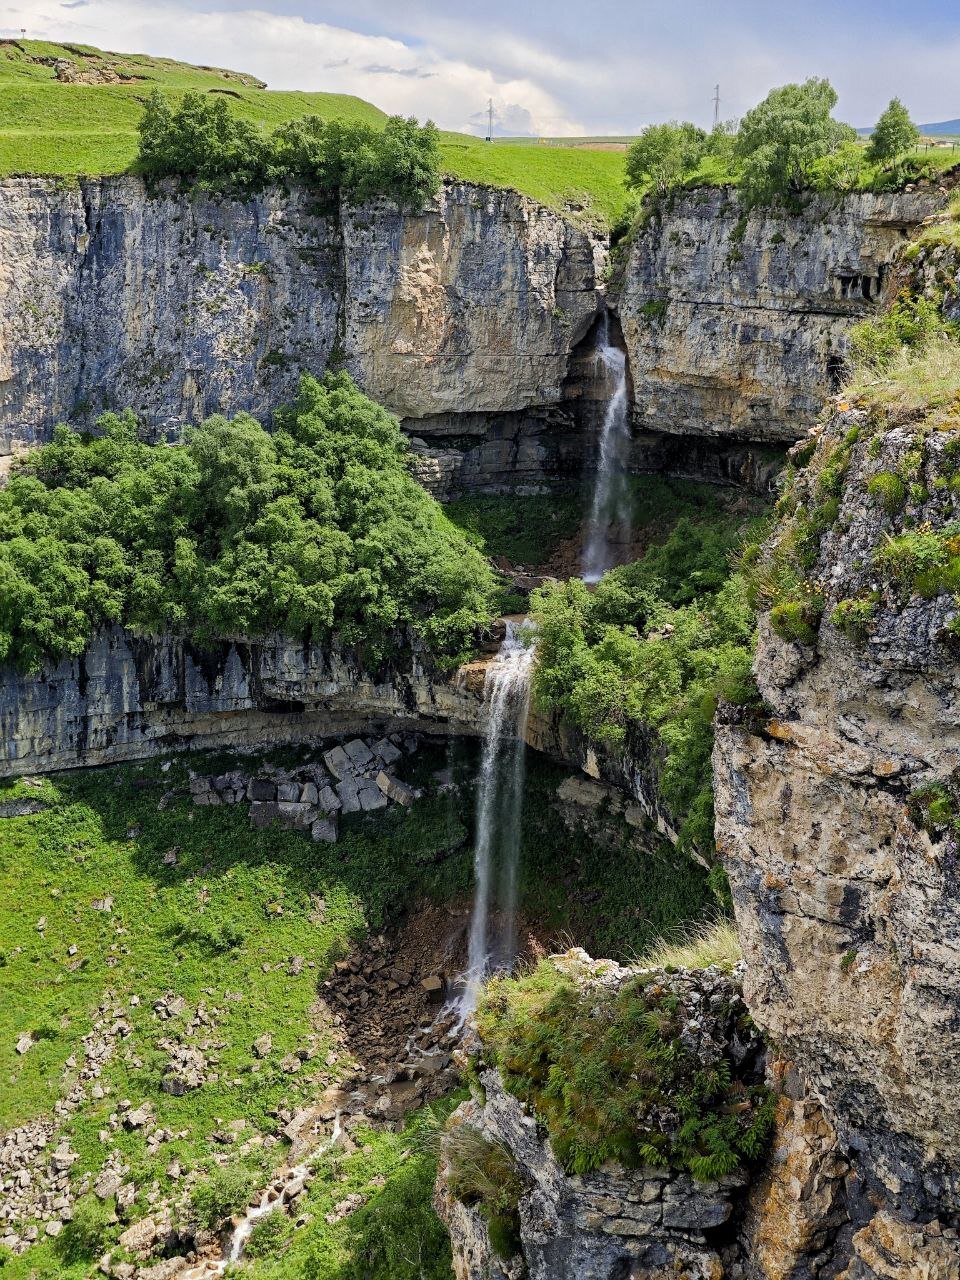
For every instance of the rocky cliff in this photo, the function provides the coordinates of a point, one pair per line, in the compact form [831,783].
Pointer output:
[736,323]
[837,818]
[611,1222]
[131,697]
[470,319]
[112,296]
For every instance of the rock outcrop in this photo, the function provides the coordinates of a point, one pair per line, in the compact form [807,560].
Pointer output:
[836,816]
[655,1223]
[736,324]
[177,307]
[129,698]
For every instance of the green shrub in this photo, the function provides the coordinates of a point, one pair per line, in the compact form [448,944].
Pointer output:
[86,1235]
[797,620]
[911,322]
[924,560]
[202,142]
[894,134]
[483,1174]
[664,154]
[225,1192]
[889,490]
[781,141]
[318,527]
[935,807]
[853,617]
[609,1076]
[268,1235]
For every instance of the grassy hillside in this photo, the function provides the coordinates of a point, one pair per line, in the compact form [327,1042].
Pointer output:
[49,126]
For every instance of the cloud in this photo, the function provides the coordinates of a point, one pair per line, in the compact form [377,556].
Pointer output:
[550,67]
[509,121]
[416,72]
[291,52]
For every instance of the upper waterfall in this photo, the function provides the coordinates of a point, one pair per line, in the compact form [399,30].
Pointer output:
[609,509]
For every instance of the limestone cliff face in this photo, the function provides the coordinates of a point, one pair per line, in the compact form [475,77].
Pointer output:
[736,325]
[846,898]
[182,306]
[131,697]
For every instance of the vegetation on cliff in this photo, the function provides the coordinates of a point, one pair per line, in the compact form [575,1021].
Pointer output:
[654,646]
[605,1068]
[317,528]
[904,373]
[788,144]
[200,141]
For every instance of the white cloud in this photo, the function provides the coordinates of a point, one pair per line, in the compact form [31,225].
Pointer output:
[290,52]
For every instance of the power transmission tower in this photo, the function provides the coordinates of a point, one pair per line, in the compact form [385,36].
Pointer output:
[489,137]
[716,106]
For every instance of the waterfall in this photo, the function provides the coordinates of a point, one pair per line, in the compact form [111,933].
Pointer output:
[499,807]
[610,507]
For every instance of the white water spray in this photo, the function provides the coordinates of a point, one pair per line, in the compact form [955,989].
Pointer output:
[610,507]
[499,804]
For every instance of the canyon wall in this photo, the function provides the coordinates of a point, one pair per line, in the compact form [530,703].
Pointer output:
[470,319]
[842,859]
[179,305]
[131,697]
[736,324]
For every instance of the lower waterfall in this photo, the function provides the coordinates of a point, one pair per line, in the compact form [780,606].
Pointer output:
[610,507]
[499,808]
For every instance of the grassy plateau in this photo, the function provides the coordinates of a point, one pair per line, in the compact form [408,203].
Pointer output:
[51,127]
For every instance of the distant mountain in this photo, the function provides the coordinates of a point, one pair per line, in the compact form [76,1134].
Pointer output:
[939,130]
[942,127]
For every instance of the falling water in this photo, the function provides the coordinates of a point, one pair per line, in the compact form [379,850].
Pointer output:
[499,804]
[610,507]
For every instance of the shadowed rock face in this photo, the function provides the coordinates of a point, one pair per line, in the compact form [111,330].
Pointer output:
[178,308]
[132,697]
[846,909]
[736,325]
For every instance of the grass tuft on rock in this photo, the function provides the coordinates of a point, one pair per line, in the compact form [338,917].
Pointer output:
[605,1067]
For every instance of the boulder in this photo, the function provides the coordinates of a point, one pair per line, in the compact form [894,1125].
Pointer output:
[395,790]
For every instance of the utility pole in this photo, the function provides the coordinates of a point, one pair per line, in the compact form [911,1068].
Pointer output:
[489,137]
[716,106]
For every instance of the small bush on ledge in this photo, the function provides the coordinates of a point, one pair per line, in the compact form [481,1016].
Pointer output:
[626,1066]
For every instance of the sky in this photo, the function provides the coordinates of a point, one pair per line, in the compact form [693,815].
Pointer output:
[552,67]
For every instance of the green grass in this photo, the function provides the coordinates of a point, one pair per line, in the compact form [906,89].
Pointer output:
[589,181]
[394,1235]
[52,128]
[713,943]
[236,900]
[526,530]
[608,1072]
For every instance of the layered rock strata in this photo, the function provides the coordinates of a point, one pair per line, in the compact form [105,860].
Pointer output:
[736,323]
[836,818]
[178,307]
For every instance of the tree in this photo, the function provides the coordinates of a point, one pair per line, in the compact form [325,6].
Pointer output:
[782,140]
[894,134]
[664,154]
[201,141]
